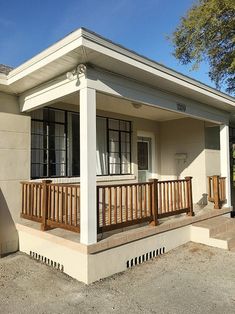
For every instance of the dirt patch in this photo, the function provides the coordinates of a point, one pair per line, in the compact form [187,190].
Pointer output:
[191,279]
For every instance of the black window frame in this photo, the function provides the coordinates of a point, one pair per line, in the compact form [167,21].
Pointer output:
[47,123]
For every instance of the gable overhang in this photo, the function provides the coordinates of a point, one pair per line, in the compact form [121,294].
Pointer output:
[85,47]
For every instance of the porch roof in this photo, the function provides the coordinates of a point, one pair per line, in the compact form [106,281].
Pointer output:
[84,46]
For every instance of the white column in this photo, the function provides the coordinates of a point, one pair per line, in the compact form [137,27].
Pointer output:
[88,213]
[225,160]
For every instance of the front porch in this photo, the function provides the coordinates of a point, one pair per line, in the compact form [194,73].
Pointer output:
[125,172]
[109,163]
[115,251]
[57,205]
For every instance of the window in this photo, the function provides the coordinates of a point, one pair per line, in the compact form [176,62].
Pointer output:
[119,146]
[55,144]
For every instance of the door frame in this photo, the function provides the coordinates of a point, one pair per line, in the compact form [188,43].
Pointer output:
[150,135]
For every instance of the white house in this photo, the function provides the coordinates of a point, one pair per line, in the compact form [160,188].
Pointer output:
[119,140]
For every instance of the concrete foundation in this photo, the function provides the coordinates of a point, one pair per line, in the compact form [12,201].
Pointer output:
[111,255]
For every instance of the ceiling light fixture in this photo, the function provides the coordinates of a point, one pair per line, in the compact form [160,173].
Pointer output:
[136,105]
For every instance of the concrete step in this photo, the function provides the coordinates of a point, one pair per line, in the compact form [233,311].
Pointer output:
[229,237]
[217,225]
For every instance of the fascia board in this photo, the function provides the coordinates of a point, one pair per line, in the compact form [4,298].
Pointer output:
[180,80]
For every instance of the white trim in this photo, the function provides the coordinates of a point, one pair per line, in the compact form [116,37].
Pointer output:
[75,180]
[225,160]
[100,45]
[88,210]
[151,135]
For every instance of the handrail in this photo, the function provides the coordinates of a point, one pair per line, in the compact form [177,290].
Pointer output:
[118,205]
[54,205]
[217,190]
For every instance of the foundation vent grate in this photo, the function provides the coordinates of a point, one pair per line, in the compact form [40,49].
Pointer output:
[145,257]
[46,261]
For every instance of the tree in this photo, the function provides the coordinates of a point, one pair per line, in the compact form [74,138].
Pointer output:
[207,32]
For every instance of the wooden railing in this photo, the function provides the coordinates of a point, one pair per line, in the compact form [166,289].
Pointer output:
[217,190]
[58,205]
[175,197]
[54,205]
[123,205]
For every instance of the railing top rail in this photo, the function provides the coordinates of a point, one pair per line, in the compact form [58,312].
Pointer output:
[124,184]
[173,181]
[51,184]
[31,183]
[73,185]
[138,183]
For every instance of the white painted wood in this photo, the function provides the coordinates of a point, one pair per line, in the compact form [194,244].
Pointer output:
[88,212]
[49,92]
[225,160]
[120,86]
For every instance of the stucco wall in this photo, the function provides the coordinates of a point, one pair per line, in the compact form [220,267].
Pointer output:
[184,136]
[14,167]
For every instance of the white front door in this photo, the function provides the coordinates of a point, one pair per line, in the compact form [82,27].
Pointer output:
[144,149]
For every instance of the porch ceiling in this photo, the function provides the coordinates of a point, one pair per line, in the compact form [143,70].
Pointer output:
[126,107]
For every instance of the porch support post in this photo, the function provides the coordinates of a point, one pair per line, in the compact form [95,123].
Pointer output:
[225,160]
[88,212]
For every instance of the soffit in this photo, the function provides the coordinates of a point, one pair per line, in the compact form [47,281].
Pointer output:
[122,106]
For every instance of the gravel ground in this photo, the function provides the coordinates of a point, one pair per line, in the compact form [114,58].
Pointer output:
[191,279]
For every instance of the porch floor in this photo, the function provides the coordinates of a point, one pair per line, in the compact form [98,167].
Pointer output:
[125,235]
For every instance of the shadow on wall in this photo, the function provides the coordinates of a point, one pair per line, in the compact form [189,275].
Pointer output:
[184,143]
[8,234]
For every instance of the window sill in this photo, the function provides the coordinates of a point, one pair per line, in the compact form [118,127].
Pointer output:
[113,178]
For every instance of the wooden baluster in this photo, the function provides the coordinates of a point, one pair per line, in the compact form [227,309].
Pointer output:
[189,196]
[66,205]
[175,196]
[136,199]
[110,206]
[184,195]
[136,202]
[40,200]
[145,199]
[167,198]
[131,202]
[57,203]
[155,202]
[209,189]
[160,198]
[115,205]
[126,190]
[104,222]
[97,207]
[171,193]
[149,199]
[141,199]
[45,187]
[216,192]
[120,203]
[22,198]
[180,194]
[76,208]
[71,206]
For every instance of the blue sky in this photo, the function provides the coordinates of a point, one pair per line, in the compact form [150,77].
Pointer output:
[29,26]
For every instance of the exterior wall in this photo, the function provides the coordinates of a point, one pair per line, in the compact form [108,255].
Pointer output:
[77,263]
[212,158]
[172,139]
[138,124]
[14,167]
[179,137]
